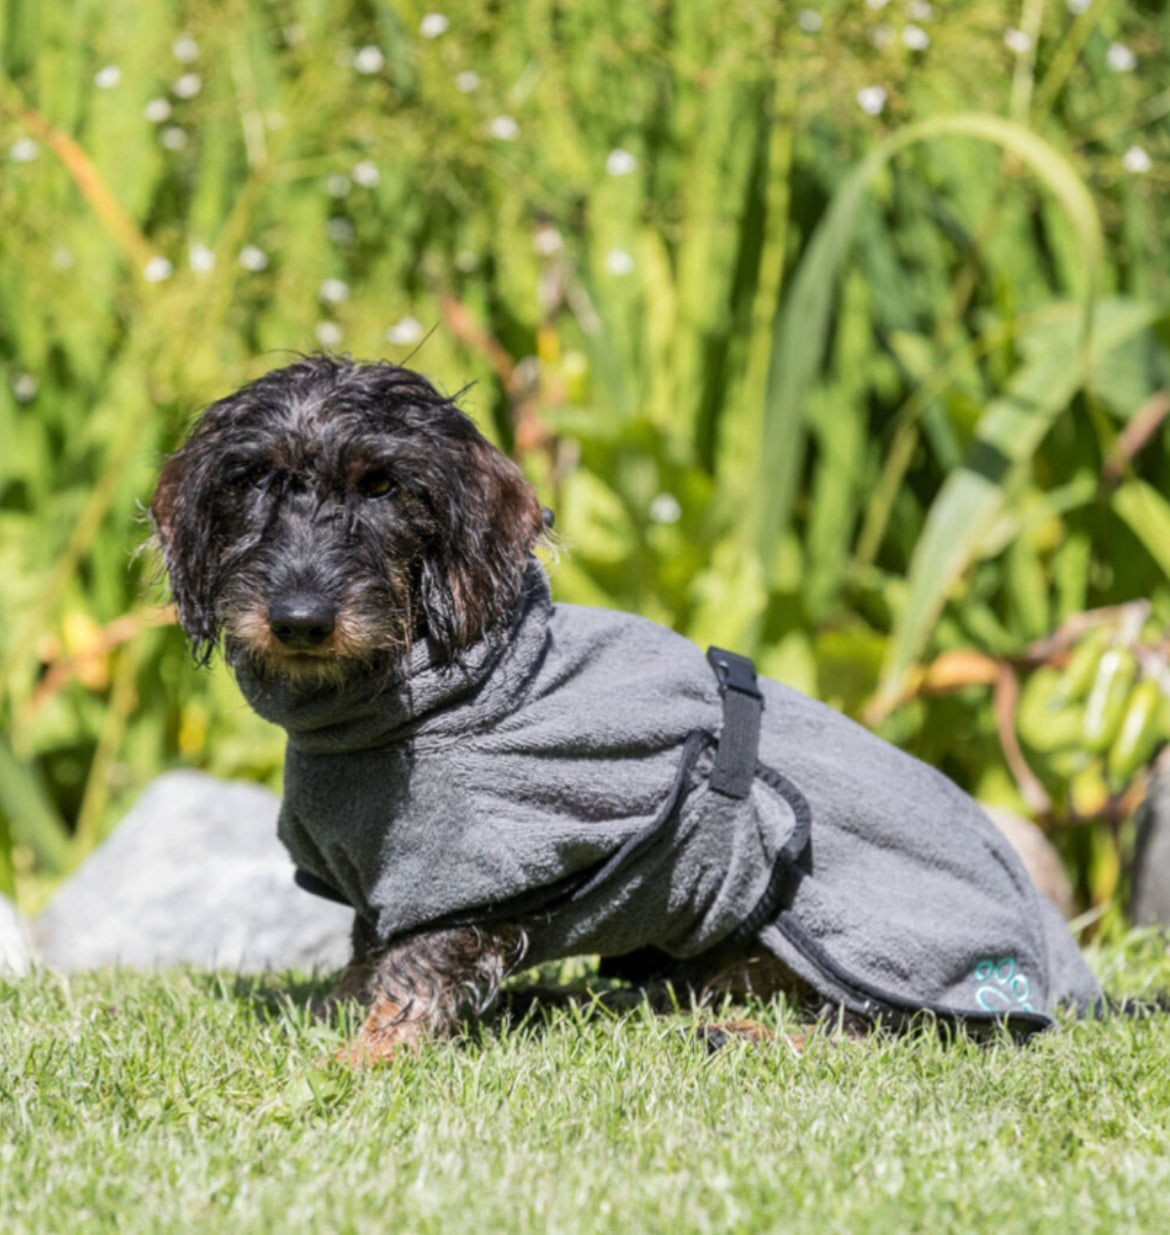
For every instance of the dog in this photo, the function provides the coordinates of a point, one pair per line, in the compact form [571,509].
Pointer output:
[491,780]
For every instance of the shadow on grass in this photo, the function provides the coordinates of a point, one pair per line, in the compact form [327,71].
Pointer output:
[529,1002]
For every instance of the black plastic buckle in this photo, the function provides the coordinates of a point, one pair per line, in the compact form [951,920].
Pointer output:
[734,672]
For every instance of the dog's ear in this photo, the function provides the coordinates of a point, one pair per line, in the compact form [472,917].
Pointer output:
[180,511]
[474,573]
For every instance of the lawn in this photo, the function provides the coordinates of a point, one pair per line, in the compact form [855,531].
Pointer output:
[201,1102]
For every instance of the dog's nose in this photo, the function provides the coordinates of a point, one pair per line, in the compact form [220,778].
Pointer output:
[301,620]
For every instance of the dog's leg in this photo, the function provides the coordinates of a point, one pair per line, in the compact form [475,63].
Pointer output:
[355,979]
[426,985]
[754,975]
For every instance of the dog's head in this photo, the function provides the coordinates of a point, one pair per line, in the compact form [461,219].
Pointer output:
[331,513]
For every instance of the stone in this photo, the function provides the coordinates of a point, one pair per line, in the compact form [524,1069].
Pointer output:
[1150,874]
[194,875]
[15,954]
[1038,855]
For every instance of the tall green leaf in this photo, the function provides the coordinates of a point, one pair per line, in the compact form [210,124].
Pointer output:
[1147,513]
[972,497]
[802,329]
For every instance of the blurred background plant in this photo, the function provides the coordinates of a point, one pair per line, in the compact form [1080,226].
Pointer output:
[835,333]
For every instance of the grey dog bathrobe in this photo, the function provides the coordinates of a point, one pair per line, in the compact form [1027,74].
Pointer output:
[563,776]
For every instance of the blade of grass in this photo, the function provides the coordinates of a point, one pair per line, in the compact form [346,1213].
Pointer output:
[1024,78]
[31,816]
[1065,59]
[905,422]
[123,697]
[117,222]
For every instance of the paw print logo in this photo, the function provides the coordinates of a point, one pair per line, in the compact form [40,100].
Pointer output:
[1003,987]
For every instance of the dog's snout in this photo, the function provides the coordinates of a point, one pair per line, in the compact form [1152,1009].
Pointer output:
[302,620]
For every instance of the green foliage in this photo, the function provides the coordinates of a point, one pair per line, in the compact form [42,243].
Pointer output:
[844,386]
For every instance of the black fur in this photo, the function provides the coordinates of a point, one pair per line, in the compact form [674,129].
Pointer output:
[365,497]
[361,484]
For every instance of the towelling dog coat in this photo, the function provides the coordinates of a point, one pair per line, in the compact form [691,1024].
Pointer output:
[596,777]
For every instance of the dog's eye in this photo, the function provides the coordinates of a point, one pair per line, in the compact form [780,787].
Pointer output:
[252,476]
[376,484]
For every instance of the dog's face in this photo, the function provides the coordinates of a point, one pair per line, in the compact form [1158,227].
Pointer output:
[329,514]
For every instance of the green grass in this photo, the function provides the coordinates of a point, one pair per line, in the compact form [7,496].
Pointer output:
[197,1102]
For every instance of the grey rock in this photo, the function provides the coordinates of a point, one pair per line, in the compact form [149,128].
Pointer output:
[1038,854]
[193,875]
[15,954]
[1151,860]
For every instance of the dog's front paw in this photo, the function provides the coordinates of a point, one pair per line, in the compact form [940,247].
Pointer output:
[379,1045]
[387,1033]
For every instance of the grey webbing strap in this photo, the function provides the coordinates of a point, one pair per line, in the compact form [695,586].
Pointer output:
[739,741]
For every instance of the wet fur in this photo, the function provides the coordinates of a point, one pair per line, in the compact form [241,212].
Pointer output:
[362,484]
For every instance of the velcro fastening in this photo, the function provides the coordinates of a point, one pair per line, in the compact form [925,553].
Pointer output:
[739,741]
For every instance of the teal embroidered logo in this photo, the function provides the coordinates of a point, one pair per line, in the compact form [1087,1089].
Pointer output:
[1003,987]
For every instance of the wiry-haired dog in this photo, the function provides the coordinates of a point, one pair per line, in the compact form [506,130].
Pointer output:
[484,776]
[323,520]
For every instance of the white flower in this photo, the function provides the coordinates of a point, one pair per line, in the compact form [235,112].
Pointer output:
[294,33]
[1017,41]
[466,261]
[328,334]
[201,258]
[340,231]
[24,388]
[467,82]
[173,138]
[405,331]
[872,100]
[366,174]
[369,59]
[338,185]
[665,509]
[1136,160]
[334,291]
[915,38]
[63,259]
[188,86]
[1120,59]
[185,49]
[252,258]
[157,269]
[620,162]
[547,241]
[24,150]
[108,78]
[432,25]
[1078,6]
[882,35]
[504,128]
[618,262]
[920,10]
[157,110]
[809,20]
